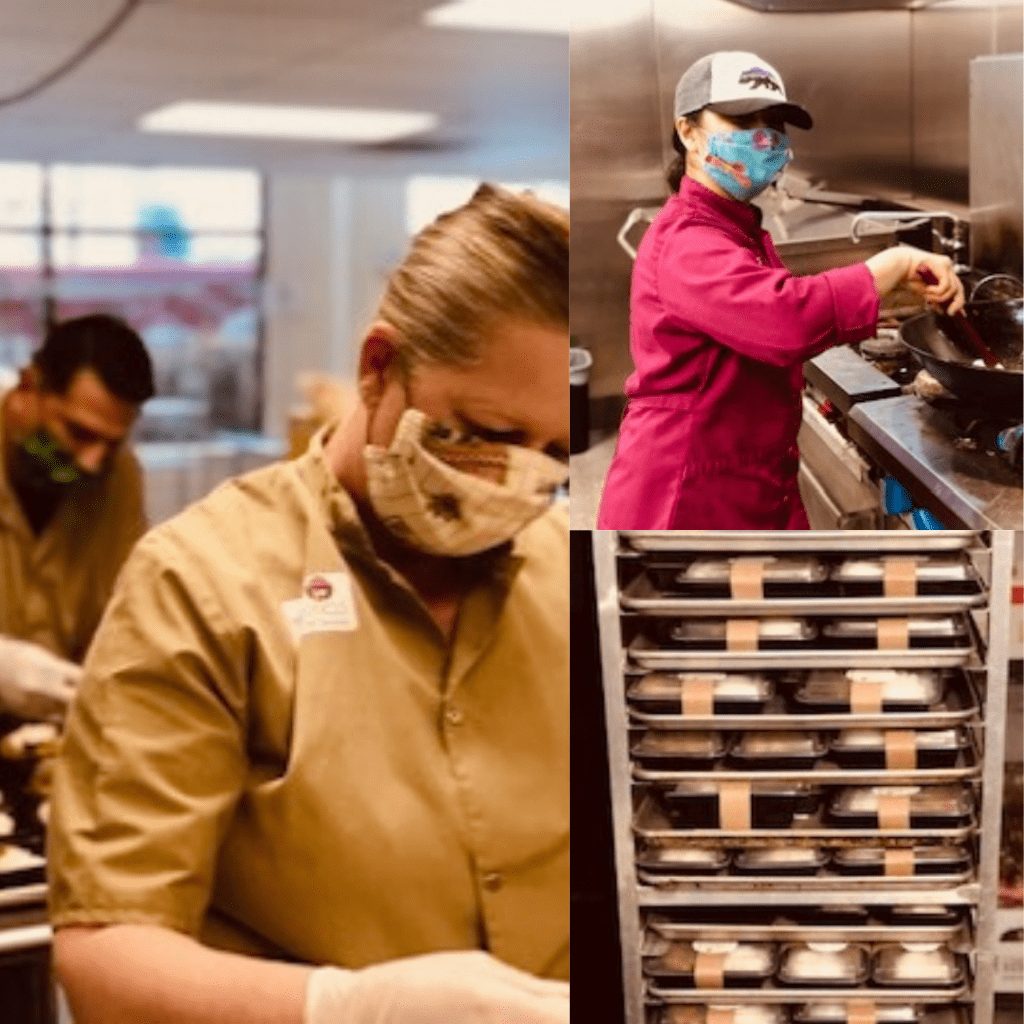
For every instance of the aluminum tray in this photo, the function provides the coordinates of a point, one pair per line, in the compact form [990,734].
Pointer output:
[792,932]
[652,824]
[641,596]
[770,994]
[778,541]
[958,706]
[809,883]
[649,655]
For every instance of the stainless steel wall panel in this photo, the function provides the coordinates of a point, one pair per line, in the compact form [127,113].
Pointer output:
[996,148]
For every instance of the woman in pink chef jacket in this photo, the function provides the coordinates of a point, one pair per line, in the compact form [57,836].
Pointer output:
[719,329]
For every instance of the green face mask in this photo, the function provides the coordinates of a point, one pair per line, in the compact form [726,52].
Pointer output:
[44,466]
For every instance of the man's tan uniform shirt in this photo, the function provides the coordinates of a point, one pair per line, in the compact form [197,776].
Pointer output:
[276,750]
[54,587]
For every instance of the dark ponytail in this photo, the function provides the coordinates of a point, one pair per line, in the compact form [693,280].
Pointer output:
[677,169]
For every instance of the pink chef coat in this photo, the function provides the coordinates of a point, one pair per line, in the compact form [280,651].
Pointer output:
[719,330]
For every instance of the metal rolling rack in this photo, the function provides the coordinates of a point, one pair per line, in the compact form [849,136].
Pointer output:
[986,664]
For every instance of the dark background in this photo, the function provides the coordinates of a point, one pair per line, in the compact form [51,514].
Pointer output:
[596,970]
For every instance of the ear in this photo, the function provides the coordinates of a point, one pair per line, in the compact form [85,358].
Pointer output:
[379,361]
[685,130]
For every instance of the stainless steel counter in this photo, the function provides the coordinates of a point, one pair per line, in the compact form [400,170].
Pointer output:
[911,440]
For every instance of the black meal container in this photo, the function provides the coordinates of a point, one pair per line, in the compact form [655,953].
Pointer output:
[928,860]
[796,576]
[827,691]
[865,748]
[774,634]
[931,807]
[923,631]
[927,915]
[824,965]
[830,916]
[776,751]
[749,965]
[671,750]
[660,693]
[682,861]
[936,576]
[838,1013]
[899,966]
[779,861]
[773,804]
[755,1013]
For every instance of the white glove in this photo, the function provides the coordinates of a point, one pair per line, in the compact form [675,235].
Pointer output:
[469,987]
[33,682]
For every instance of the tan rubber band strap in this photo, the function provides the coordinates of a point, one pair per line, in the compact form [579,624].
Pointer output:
[893,811]
[734,806]
[893,634]
[900,577]
[865,697]
[861,1013]
[698,695]
[901,749]
[742,634]
[720,1015]
[899,862]
[746,579]
[709,970]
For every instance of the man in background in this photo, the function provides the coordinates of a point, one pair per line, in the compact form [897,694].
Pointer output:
[71,503]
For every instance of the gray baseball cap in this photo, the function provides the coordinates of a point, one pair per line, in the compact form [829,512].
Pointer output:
[735,82]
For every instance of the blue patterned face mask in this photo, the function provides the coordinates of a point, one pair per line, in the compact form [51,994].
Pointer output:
[744,162]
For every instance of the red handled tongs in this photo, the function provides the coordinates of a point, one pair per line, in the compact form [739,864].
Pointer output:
[967,328]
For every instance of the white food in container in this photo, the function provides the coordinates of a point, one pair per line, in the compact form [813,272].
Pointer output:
[776,570]
[897,686]
[693,744]
[726,686]
[928,964]
[783,856]
[948,800]
[768,629]
[917,626]
[829,963]
[837,1013]
[779,743]
[874,739]
[929,568]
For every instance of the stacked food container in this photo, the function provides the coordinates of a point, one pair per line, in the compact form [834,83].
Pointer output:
[805,772]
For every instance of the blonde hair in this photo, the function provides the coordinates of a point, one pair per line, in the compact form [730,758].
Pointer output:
[501,256]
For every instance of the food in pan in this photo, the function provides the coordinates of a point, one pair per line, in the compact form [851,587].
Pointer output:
[919,860]
[712,965]
[920,629]
[825,964]
[34,739]
[730,692]
[686,1013]
[671,750]
[776,630]
[826,691]
[683,860]
[777,750]
[779,860]
[837,1013]
[917,965]
[874,748]
[711,804]
[895,807]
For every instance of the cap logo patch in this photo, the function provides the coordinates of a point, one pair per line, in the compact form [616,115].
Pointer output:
[759,78]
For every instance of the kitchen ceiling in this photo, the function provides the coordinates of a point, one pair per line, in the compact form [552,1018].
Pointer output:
[502,97]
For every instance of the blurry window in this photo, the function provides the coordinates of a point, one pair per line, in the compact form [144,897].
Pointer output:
[177,252]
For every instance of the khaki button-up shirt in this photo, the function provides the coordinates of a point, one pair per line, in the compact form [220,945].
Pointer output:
[275,748]
[54,587]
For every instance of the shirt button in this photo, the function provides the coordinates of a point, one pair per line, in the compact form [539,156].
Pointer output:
[453,716]
[493,881]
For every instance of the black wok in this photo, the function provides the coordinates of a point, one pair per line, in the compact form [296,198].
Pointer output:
[938,344]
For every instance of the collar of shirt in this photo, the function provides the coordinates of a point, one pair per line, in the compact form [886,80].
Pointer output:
[746,216]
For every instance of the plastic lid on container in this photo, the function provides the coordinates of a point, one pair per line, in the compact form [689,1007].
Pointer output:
[580,362]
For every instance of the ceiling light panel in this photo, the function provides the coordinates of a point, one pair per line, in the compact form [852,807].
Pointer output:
[266,121]
[547,16]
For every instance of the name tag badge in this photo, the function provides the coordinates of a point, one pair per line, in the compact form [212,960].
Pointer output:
[327,605]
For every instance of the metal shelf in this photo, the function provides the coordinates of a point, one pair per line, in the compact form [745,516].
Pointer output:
[986,661]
